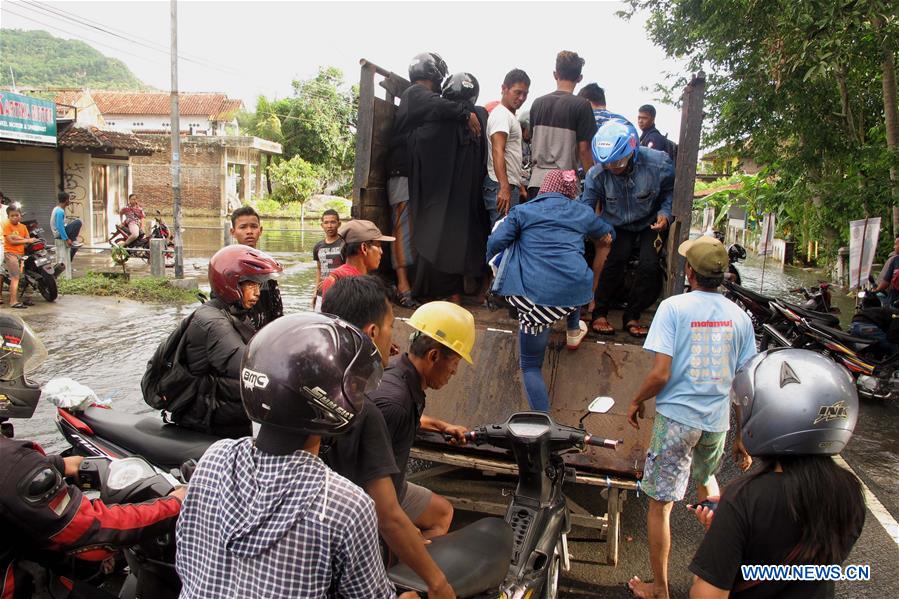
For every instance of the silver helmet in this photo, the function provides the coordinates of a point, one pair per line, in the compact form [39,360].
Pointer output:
[795,401]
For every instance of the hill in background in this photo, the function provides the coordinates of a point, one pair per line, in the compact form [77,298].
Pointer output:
[39,59]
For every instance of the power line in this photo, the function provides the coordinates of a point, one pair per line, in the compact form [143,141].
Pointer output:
[70,18]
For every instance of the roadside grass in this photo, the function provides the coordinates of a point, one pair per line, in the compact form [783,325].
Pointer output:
[142,289]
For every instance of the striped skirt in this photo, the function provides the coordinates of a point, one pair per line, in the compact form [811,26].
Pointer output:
[534,319]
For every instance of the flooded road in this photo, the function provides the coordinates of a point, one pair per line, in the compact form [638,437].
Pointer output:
[106,343]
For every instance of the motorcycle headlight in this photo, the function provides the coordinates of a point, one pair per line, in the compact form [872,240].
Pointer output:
[125,472]
[41,261]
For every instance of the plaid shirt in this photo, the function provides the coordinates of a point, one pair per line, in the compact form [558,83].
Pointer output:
[256,525]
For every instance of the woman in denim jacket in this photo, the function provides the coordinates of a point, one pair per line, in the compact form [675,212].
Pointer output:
[543,272]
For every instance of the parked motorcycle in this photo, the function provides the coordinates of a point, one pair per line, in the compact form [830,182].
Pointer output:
[876,375]
[38,270]
[140,247]
[523,554]
[735,253]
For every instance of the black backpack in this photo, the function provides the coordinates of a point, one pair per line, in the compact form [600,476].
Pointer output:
[167,384]
[670,149]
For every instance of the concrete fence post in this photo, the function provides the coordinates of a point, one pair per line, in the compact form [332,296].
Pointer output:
[842,269]
[64,257]
[226,232]
[157,257]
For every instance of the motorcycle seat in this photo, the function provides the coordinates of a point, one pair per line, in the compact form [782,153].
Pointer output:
[856,343]
[475,559]
[163,444]
[764,300]
[824,318]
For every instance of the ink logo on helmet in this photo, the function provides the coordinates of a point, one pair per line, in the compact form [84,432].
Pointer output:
[254,380]
[835,412]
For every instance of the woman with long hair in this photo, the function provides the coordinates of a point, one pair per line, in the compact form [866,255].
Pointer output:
[799,507]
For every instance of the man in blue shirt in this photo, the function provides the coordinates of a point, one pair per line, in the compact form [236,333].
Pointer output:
[700,339]
[61,230]
[633,188]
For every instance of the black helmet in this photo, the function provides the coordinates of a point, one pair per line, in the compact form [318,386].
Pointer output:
[21,353]
[461,87]
[428,65]
[736,253]
[795,402]
[308,373]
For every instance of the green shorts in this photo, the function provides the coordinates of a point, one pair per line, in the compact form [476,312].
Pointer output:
[674,448]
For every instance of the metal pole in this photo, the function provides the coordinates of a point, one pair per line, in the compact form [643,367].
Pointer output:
[861,255]
[176,149]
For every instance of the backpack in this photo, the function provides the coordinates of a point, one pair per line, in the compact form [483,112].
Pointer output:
[167,384]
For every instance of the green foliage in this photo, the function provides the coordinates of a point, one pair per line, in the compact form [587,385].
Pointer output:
[798,87]
[41,60]
[146,289]
[297,179]
[317,124]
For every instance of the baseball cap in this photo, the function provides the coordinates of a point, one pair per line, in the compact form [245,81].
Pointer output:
[357,231]
[706,255]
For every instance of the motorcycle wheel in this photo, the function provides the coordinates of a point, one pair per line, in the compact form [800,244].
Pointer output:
[553,574]
[46,286]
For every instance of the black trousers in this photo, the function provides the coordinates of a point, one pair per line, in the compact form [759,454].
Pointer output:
[647,279]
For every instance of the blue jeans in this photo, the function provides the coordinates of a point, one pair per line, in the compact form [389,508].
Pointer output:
[872,331]
[532,350]
[72,231]
[491,189]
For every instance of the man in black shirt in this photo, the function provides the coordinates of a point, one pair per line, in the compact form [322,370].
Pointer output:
[649,135]
[445,334]
[365,454]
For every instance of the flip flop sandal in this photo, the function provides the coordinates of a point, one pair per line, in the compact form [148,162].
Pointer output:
[19,306]
[602,330]
[640,333]
[406,300]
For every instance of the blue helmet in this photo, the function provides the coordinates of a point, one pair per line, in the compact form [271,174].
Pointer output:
[615,140]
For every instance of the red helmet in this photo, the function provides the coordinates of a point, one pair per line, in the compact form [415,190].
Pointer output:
[234,264]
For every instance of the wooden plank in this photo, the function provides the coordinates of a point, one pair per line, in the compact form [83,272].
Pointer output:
[364,131]
[431,472]
[685,174]
[498,509]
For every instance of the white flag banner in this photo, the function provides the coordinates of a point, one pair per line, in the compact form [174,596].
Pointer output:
[863,236]
[708,219]
[766,239]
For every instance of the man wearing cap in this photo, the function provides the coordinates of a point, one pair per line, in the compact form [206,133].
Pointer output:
[699,339]
[361,252]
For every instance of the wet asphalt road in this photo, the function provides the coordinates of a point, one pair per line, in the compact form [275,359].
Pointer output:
[105,344]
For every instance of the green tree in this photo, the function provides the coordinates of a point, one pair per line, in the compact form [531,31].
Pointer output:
[802,87]
[317,123]
[298,180]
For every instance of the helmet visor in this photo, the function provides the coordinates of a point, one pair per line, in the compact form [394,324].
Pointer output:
[21,351]
[363,375]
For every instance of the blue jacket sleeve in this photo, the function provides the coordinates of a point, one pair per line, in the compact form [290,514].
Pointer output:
[600,228]
[504,235]
[666,188]
[59,223]
[593,188]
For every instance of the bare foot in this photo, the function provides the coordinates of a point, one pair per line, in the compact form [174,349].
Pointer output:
[646,590]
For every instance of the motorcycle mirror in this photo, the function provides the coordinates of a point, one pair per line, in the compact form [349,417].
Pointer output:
[7,430]
[601,405]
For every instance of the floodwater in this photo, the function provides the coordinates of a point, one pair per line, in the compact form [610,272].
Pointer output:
[106,344]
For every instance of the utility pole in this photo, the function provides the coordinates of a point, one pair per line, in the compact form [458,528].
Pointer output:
[176,149]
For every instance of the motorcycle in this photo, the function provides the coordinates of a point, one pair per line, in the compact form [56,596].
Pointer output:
[523,554]
[140,247]
[876,375]
[735,253]
[103,432]
[38,269]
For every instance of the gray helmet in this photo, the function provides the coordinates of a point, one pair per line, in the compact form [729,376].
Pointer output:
[795,402]
[21,353]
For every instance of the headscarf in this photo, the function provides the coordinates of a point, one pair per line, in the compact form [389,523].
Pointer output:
[559,181]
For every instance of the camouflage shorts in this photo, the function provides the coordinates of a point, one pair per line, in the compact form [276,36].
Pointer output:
[674,448]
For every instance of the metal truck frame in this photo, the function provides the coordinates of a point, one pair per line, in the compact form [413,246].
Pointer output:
[491,389]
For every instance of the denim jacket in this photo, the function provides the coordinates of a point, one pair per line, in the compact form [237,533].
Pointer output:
[632,201]
[544,242]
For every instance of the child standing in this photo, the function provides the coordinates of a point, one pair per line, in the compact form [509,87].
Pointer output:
[15,238]
[326,253]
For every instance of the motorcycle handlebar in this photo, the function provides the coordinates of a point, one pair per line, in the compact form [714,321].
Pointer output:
[607,443]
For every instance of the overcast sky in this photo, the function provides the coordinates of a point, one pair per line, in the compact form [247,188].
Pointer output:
[251,48]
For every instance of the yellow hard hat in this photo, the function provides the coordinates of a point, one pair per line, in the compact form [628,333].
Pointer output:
[447,323]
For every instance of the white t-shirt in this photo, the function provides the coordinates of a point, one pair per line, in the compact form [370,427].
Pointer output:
[503,121]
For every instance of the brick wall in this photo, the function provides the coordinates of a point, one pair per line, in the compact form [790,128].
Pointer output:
[201,174]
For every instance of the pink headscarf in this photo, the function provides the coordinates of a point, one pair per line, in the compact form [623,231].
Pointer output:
[564,182]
